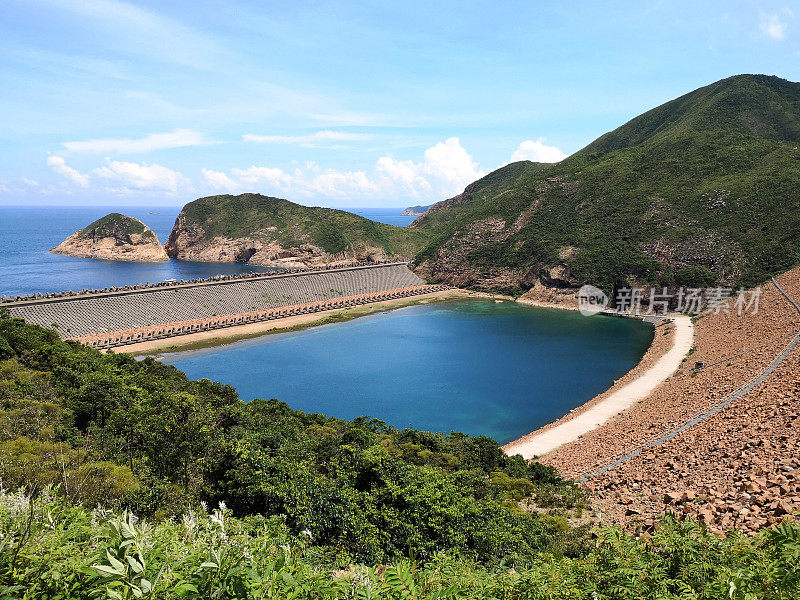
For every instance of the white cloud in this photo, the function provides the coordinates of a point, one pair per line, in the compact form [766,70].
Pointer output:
[30,182]
[269,175]
[445,170]
[319,136]
[179,138]
[219,180]
[451,165]
[403,175]
[59,165]
[537,151]
[342,184]
[141,176]
[772,25]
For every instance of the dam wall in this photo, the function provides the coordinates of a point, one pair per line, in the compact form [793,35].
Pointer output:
[101,313]
[138,335]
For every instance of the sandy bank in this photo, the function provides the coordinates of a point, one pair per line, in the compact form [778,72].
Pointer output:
[621,396]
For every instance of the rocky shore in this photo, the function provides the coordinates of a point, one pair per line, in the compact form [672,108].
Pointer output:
[740,468]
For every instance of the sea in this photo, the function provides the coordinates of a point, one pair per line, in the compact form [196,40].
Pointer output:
[476,366]
[28,233]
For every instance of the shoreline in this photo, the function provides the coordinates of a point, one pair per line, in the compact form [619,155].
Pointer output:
[662,359]
[693,446]
[229,335]
[222,337]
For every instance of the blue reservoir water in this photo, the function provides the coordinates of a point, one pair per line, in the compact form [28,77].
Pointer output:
[474,366]
[28,233]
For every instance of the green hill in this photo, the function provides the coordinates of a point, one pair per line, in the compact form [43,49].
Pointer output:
[115,225]
[255,222]
[756,105]
[703,189]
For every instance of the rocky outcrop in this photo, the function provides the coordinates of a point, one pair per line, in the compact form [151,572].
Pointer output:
[114,237]
[739,468]
[262,230]
[190,241]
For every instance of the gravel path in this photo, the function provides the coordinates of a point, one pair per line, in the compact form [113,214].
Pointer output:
[615,403]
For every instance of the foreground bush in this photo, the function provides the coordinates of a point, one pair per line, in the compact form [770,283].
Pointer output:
[51,549]
[139,435]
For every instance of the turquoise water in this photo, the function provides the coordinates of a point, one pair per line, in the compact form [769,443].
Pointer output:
[474,366]
[27,234]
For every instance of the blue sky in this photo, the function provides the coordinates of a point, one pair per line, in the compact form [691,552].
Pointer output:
[342,104]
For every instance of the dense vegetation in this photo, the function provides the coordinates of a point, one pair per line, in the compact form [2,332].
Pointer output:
[110,429]
[52,549]
[302,504]
[700,190]
[292,225]
[117,226]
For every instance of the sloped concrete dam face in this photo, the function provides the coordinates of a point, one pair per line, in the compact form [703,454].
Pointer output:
[101,313]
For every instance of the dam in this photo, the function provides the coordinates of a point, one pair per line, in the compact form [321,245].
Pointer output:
[106,319]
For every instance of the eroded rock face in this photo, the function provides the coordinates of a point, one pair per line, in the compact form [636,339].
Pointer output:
[114,237]
[189,241]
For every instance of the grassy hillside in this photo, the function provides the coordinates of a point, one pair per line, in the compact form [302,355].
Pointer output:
[291,225]
[115,225]
[703,189]
[754,105]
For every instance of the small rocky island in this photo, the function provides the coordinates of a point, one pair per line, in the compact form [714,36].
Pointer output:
[415,211]
[114,237]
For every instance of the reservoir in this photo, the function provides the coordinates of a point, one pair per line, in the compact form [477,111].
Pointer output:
[476,366]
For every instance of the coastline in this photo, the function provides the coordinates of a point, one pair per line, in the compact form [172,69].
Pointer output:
[662,341]
[220,337]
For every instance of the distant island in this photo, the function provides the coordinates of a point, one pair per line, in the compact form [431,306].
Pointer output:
[416,211]
[114,237]
[266,231]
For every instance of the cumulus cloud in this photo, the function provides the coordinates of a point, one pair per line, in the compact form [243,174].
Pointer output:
[59,165]
[141,176]
[308,181]
[178,138]
[343,184]
[269,175]
[537,151]
[403,176]
[451,165]
[445,169]
[219,180]
[772,24]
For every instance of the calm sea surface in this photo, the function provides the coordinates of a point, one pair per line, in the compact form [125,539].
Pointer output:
[473,366]
[27,234]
